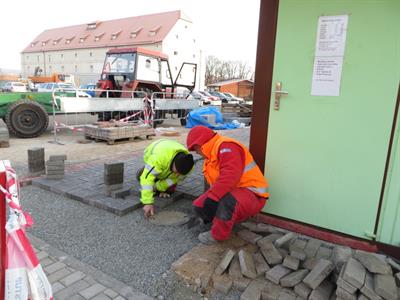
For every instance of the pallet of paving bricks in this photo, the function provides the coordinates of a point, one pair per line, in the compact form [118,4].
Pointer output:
[242,110]
[113,135]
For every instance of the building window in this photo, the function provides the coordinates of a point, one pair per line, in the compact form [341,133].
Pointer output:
[194,40]
[38,59]
[76,68]
[175,52]
[185,26]
[177,36]
[27,57]
[194,55]
[76,55]
[50,69]
[62,55]
[49,57]
[62,69]
[90,54]
[91,68]
[28,69]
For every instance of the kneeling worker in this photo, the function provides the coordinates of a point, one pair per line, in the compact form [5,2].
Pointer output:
[238,189]
[166,163]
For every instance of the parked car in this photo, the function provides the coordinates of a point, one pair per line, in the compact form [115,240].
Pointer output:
[14,86]
[205,100]
[51,86]
[89,88]
[214,100]
[2,84]
[221,96]
[232,97]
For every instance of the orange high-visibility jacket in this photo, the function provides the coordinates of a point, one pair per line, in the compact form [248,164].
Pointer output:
[252,177]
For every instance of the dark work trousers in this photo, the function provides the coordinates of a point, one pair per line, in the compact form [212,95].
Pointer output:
[234,207]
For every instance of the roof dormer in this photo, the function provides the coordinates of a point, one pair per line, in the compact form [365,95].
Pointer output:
[56,41]
[45,42]
[83,38]
[97,37]
[134,33]
[93,25]
[153,31]
[115,35]
[69,40]
[33,44]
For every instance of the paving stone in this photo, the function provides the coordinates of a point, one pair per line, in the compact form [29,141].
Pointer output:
[42,255]
[101,296]
[287,294]
[241,283]
[394,264]
[318,273]
[345,295]
[253,291]
[285,240]
[312,247]
[58,275]
[72,278]
[234,268]
[324,252]
[55,163]
[302,290]
[294,278]
[268,239]
[397,278]
[298,243]
[247,264]
[291,262]
[271,254]
[114,168]
[373,263]
[92,291]
[271,291]
[54,267]
[323,291]
[368,287]
[361,297]
[283,252]
[385,286]
[67,293]
[110,293]
[340,255]
[344,284]
[56,287]
[76,297]
[226,260]
[249,236]
[354,273]
[222,283]
[260,263]
[258,227]
[54,177]
[122,193]
[310,263]
[298,253]
[58,157]
[276,273]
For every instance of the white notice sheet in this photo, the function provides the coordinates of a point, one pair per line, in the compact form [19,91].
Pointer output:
[329,53]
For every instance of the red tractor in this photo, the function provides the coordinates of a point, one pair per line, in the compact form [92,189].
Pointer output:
[128,71]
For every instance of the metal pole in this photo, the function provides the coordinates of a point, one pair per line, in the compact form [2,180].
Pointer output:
[2,231]
[55,140]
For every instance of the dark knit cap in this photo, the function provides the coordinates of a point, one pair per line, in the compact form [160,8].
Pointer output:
[183,163]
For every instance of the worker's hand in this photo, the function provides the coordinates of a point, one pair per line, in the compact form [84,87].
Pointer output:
[148,210]
[164,195]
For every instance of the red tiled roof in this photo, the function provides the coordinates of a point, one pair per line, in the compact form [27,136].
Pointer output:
[226,82]
[131,31]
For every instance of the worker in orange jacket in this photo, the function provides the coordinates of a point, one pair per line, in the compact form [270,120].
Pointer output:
[238,188]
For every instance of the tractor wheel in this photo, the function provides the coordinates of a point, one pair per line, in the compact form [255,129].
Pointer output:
[27,119]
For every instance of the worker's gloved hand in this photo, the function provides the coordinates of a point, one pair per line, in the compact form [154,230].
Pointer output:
[148,210]
[164,195]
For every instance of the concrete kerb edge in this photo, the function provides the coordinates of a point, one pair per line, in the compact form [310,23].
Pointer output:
[112,283]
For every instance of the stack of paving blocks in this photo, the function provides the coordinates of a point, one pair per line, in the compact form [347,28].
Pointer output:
[113,177]
[282,265]
[4,135]
[55,167]
[112,134]
[36,163]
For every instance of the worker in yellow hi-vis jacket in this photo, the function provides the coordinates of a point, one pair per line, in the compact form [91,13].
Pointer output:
[166,163]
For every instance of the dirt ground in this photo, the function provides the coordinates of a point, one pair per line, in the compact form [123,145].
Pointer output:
[77,152]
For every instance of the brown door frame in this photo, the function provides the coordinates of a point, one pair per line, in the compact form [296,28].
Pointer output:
[263,79]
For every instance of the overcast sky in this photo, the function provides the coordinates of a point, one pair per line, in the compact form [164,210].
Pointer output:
[227,28]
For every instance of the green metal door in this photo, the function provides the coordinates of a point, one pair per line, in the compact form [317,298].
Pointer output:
[326,155]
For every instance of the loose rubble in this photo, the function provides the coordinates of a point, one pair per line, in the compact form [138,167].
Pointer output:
[273,265]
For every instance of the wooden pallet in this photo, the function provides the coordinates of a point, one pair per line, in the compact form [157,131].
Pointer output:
[113,135]
[243,110]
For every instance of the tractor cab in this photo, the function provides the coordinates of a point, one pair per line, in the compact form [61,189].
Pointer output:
[138,69]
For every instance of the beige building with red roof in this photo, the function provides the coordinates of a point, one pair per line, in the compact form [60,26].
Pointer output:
[80,49]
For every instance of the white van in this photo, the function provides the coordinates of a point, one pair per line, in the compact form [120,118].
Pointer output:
[14,86]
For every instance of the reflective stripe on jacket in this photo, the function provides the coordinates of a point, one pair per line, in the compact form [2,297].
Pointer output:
[157,173]
[252,177]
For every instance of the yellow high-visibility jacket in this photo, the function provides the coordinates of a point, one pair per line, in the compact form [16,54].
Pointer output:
[157,173]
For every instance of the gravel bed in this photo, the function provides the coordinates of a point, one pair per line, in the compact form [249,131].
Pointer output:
[128,248]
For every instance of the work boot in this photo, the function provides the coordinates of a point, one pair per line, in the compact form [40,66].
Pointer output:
[206,238]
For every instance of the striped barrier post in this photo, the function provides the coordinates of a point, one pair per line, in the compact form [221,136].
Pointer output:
[2,230]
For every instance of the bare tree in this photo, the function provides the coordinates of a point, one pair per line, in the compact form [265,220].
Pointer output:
[220,70]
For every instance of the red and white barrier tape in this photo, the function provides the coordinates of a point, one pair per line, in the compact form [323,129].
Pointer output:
[74,129]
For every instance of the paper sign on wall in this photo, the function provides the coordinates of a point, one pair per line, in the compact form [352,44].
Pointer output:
[329,53]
